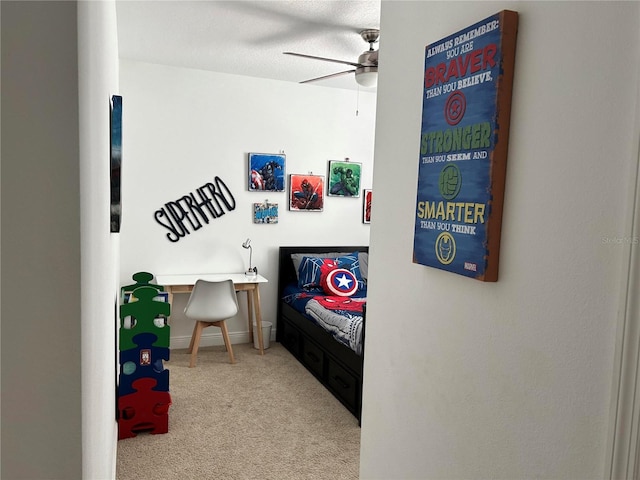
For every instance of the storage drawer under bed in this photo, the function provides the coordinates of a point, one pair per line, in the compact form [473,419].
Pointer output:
[291,338]
[343,384]
[313,357]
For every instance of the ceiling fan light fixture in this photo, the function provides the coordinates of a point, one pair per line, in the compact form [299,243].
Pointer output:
[367,76]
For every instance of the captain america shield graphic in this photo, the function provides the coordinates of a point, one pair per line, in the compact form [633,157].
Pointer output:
[340,282]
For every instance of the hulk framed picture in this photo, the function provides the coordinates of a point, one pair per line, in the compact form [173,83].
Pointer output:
[344,179]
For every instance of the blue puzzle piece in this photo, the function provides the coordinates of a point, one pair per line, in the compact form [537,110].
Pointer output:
[143,362]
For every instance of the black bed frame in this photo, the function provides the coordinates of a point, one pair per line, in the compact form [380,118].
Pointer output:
[335,365]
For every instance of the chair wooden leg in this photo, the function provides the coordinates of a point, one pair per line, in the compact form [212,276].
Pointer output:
[195,343]
[193,336]
[227,342]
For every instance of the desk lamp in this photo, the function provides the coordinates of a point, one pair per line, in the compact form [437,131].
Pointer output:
[252,271]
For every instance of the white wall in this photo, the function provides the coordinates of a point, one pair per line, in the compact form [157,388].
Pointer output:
[182,128]
[465,379]
[98,75]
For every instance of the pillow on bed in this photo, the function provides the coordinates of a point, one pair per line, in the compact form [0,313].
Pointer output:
[363,257]
[364,265]
[296,258]
[312,268]
[339,282]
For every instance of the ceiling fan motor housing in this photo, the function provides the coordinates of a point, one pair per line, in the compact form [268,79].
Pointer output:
[369,58]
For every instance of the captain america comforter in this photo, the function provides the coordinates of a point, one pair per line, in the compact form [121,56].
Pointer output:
[340,316]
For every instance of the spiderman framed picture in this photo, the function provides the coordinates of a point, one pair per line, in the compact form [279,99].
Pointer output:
[306,193]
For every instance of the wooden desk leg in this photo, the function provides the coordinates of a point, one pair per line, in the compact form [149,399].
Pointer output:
[258,314]
[170,295]
[250,315]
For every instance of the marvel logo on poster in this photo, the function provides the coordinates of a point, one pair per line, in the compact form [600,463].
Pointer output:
[466,108]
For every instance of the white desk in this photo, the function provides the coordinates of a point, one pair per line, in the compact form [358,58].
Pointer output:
[183,283]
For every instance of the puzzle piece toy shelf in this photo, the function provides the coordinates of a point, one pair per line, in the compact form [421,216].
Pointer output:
[143,387]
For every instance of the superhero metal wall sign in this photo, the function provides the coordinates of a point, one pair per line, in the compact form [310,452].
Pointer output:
[466,109]
[187,213]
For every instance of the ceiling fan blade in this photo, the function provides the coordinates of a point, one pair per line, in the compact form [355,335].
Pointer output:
[323,59]
[328,76]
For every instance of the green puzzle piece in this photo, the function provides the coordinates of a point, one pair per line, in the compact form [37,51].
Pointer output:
[143,279]
[143,311]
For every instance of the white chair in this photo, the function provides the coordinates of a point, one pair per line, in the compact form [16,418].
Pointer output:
[210,304]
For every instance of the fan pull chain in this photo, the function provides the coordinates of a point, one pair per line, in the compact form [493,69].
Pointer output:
[357,99]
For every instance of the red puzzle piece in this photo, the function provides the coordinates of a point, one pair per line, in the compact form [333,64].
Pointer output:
[145,410]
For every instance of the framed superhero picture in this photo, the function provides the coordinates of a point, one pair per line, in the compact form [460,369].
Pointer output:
[266,172]
[344,179]
[366,206]
[265,213]
[306,193]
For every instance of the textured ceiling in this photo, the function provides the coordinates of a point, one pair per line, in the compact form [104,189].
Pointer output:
[248,37]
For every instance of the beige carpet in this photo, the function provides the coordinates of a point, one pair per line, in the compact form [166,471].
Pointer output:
[262,418]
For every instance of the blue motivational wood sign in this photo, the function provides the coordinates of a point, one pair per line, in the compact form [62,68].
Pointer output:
[466,109]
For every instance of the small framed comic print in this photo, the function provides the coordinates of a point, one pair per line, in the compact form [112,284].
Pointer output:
[306,193]
[265,213]
[344,179]
[366,206]
[266,172]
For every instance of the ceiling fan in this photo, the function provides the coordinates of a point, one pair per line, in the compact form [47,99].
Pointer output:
[366,69]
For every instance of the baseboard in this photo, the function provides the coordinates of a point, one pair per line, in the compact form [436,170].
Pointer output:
[214,339]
